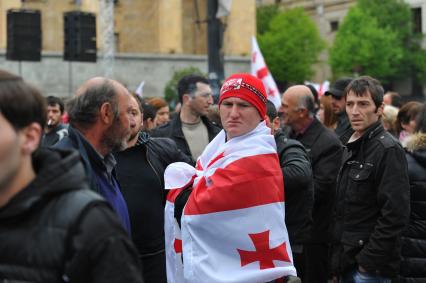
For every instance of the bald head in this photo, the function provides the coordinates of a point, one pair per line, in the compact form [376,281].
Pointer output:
[302,96]
[83,109]
[297,106]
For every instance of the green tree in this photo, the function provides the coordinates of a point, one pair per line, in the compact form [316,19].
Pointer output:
[264,14]
[377,38]
[361,46]
[170,91]
[291,46]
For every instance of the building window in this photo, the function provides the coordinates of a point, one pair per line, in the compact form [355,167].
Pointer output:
[417,20]
[334,26]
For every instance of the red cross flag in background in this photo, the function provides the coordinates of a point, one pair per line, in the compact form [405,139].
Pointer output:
[260,70]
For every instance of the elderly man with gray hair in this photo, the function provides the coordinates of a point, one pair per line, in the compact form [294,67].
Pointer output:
[325,152]
[100,122]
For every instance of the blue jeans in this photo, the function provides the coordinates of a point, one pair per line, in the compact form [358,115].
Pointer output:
[361,277]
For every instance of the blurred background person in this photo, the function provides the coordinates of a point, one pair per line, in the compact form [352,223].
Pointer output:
[389,119]
[162,108]
[413,241]
[54,130]
[326,114]
[392,98]
[406,119]
[149,113]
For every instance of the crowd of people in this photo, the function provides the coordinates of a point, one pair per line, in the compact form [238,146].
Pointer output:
[111,187]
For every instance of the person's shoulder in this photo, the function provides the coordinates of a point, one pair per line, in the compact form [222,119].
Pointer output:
[387,140]
[163,130]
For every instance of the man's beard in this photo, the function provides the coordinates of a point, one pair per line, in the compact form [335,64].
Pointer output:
[114,138]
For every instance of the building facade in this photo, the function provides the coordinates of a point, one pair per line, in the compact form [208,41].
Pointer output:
[169,30]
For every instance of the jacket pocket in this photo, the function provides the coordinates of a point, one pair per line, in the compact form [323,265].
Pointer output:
[360,172]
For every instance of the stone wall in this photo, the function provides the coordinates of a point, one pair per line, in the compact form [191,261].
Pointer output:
[53,76]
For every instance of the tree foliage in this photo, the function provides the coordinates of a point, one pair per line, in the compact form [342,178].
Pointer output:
[264,14]
[291,46]
[170,91]
[376,38]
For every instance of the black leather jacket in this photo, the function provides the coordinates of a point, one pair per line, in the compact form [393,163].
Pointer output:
[372,205]
[56,229]
[298,187]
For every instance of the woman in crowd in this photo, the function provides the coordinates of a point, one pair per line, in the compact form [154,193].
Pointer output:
[163,111]
[414,238]
[406,120]
[326,114]
[389,119]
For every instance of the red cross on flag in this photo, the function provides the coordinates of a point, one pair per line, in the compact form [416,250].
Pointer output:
[233,227]
[261,71]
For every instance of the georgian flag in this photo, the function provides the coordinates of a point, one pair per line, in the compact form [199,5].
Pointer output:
[233,226]
[261,71]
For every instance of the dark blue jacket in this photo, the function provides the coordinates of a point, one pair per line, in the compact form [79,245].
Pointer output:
[96,173]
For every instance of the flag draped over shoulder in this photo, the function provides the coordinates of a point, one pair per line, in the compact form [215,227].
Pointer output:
[260,70]
[233,226]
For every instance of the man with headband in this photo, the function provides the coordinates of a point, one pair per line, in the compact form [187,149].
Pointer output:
[231,227]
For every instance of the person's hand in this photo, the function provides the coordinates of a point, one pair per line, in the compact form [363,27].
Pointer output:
[334,279]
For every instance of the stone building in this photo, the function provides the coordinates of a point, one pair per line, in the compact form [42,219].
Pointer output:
[152,40]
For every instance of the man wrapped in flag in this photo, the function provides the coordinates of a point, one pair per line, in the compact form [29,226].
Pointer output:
[232,225]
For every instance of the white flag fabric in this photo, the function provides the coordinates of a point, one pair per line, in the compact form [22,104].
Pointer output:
[261,71]
[233,226]
[139,90]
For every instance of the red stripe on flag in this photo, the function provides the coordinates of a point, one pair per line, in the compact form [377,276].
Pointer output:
[261,73]
[177,245]
[247,182]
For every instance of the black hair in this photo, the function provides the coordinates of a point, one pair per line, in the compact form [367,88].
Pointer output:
[188,84]
[271,111]
[20,103]
[360,86]
[421,120]
[149,111]
[53,101]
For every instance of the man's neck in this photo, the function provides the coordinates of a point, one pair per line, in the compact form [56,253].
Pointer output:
[188,117]
[50,129]
[302,125]
[133,141]
[23,177]
[93,136]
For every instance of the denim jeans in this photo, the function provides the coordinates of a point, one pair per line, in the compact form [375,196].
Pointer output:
[361,277]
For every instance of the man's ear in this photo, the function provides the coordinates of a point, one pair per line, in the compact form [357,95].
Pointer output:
[106,115]
[31,137]
[380,109]
[186,98]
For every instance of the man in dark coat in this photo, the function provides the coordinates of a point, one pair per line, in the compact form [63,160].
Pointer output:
[298,184]
[140,171]
[338,104]
[52,227]
[325,152]
[190,128]
[55,130]
[100,121]
[372,203]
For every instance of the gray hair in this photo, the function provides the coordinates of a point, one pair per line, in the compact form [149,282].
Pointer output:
[306,101]
[83,109]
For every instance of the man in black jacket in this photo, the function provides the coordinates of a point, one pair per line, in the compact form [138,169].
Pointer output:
[298,187]
[190,128]
[52,227]
[372,205]
[325,152]
[140,171]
